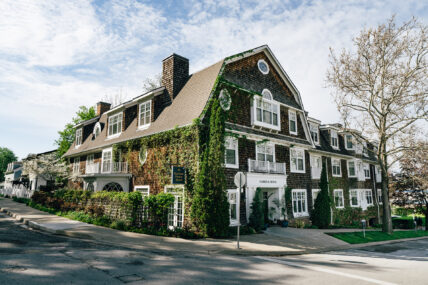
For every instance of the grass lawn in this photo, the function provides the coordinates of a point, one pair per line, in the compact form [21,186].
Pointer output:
[372,236]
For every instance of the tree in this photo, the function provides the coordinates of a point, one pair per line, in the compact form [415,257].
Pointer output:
[381,89]
[257,219]
[152,83]
[6,156]
[411,186]
[321,214]
[67,136]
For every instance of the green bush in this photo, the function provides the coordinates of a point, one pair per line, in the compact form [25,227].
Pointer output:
[119,225]
[257,219]
[321,214]
[157,207]
[21,200]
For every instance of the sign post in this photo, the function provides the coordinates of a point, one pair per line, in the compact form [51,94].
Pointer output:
[239,180]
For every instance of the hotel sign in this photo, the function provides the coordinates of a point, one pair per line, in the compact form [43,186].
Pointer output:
[178,175]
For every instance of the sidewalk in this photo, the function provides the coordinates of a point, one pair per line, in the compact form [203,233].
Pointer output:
[276,241]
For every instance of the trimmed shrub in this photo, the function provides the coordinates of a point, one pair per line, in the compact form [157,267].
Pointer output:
[257,218]
[321,214]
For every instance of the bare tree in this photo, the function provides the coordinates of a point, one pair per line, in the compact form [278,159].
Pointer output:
[152,83]
[49,166]
[115,99]
[381,90]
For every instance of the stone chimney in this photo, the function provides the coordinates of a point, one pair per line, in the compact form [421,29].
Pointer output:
[102,107]
[175,72]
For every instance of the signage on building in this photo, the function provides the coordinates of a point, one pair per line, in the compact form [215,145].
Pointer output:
[178,175]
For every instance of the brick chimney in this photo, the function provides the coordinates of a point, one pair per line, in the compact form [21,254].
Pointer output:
[175,72]
[102,107]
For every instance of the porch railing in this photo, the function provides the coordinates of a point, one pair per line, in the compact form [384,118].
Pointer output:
[266,166]
[107,167]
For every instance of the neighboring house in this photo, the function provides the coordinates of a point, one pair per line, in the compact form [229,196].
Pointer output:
[13,174]
[41,169]
[268,136]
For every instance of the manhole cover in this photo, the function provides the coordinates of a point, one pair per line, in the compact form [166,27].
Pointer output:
[129,278]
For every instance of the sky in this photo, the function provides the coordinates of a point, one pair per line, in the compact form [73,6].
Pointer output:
[58,55]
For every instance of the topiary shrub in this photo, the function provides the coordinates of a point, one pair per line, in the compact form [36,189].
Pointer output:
[321,214]
[257,218]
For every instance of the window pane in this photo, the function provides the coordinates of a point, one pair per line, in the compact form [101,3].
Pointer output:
[259,115]
[230,156]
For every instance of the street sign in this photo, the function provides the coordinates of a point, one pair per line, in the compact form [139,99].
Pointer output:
[178,175]
[240,179]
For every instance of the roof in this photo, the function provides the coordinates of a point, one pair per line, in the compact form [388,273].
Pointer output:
[192,98]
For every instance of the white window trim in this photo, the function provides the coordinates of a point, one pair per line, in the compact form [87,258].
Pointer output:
[378,174]
[289,121]
[233,222]
[76,165]
[97,127]
[144,126]
[313,198]
[358,198]
[346,142]
[136,187]
[331,139]
[175,195]
[110,149]
[291,164]
[109,136]
[379,195]
[320,169]
[263,72]
[332,167]
[273,150]
[263,124]
[87,159]
[371,195]
[304,213]
[235,142]
[366,166]
[317,142]
[343,198]
[80,141]
[355,168]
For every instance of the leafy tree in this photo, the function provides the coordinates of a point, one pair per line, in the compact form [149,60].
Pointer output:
[210,208]
[321,214]
[381,89]
[257,218]
[411,185]
[6,156]
[67,136]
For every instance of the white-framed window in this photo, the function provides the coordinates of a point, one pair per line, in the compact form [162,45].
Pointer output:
[233,209]
[76,165]
[145,112]
[353,198]
[378,174]
[338,198]
[292,120]
[115,124]
[379,196]
[79,136]
[265,152]
[107,160]
[314,133]
[266,111]
[369,197]
[315,193]
[263,66]
[366,171]
[349,142]
[297,160]
[231,158]
[89,159]
[334,139]
[97,130]
[316,166]
[352,171]
[299,202]
[365,150]
[176,210]
[143,189]
[336,169]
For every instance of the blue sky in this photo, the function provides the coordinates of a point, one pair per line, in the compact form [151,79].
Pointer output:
[58,55]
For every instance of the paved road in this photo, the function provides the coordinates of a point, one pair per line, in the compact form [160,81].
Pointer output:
[31,257]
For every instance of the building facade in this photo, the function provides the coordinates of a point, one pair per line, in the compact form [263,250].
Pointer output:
[268,136]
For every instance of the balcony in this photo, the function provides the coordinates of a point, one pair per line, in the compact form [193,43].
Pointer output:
[107,168]
[266,167]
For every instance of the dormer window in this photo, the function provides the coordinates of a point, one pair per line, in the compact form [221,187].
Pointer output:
[292,119]
[79,136]
[334,139]
[115,125]
[314,133]
[349,144]
[97,130]
[145,114]
[266,111]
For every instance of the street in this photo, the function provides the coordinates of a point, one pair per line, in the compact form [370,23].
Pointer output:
[31,257]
